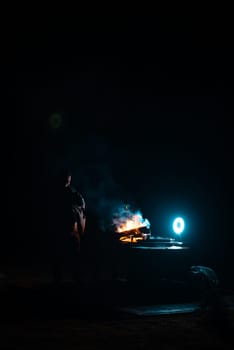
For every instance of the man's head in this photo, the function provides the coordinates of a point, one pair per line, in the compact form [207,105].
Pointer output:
[65,177]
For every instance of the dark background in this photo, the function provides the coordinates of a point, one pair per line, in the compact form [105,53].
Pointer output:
[146,107]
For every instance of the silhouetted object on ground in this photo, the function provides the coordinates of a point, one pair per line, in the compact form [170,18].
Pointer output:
[213,308]
[67,222]
[208,283]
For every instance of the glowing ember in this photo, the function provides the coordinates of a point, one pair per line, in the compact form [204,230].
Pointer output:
[126,220]
[135,222]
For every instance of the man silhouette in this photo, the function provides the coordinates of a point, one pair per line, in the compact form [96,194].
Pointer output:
[68,224]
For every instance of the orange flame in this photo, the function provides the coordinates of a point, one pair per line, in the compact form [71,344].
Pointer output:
[131,224]
[128,223]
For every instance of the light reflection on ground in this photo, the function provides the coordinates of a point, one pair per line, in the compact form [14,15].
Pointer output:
[159,247]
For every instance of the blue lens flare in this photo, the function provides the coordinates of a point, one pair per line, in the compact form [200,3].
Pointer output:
[178,226]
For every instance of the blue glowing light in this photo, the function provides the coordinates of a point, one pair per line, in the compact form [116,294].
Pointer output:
[178,226]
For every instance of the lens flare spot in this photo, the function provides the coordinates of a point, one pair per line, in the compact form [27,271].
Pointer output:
[55,120]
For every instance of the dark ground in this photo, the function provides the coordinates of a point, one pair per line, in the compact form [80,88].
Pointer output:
[36,314]
[165,332]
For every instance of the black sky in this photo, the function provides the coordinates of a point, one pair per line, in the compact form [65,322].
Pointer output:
[146,108]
